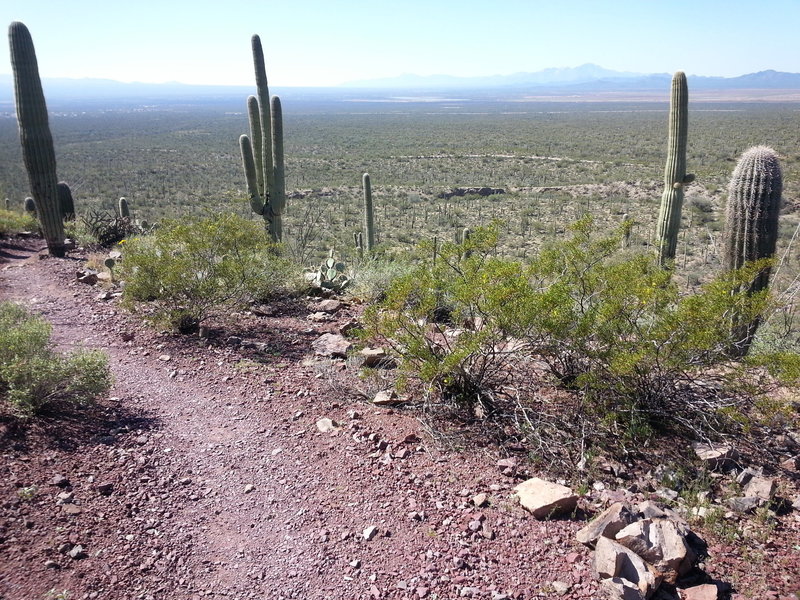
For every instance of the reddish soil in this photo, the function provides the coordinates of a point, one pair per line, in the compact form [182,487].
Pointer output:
[204,475]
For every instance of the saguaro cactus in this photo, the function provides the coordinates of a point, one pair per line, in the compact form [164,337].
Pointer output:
[751,224]
[37,141]
[262,151]
[675,176]
[369,220]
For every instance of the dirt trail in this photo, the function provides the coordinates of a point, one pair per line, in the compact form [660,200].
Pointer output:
[221,485]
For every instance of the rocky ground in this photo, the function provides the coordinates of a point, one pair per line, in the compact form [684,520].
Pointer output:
[210,472]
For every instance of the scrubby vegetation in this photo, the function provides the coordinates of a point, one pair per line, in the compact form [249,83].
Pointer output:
[609,326]
[192,268]
[33,374]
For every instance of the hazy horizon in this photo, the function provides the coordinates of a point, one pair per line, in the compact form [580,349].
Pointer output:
[316,43]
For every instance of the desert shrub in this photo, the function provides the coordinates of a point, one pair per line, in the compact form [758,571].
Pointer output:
[610,326]
[449,318]
[372,277]
[190,269]
[107,229]
[12,222]
[32,374]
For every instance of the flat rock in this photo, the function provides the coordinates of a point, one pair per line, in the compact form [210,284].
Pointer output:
[545,499]
[326,425]
[608,523]
[744,504]
[328,306]
[714,455]
[760,487]
[612,559]
[385,398]
[791,464]
[370,532]
[331,344]
[707,591]
[376,357]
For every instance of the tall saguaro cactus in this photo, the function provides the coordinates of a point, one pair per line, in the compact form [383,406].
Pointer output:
[37,141]
[751,224]
[675,176]
[262,150]
[369,220]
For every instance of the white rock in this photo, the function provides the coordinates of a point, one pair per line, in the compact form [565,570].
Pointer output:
[370,532]
[716,456]
[545,499]
[326,425]
[612,559]
[385,398]
[608,523]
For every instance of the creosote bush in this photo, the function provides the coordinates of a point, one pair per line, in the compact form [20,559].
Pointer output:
[191,269]
[12,223]
[609,326]
[32,374]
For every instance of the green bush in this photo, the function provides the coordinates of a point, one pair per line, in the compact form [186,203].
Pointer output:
[12,222]
[610,326]
[191,269]
[32,374]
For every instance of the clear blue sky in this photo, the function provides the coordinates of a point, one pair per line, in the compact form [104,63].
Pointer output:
[326,42]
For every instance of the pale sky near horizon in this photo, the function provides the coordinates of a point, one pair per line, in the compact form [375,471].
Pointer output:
[328,42]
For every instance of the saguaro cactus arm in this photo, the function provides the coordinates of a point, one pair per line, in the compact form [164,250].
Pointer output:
[675,177]
[35,137]
[249,165]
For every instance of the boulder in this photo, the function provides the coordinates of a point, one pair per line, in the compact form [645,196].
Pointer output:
[608,523]
[544,499]
[327,306]
[331,344]
[612,559]
[661,543]
[760,487]
[617,588]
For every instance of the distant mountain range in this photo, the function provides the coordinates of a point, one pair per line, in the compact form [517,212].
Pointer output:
[585,79]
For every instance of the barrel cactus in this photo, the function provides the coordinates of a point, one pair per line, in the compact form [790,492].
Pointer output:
[675,176]
[262,150]
[751,225]
[30,206]
[66,202]
[369,219]
[37,141]
[124,209]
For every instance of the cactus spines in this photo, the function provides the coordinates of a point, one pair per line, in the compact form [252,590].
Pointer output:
[66,202]
[369,221]
[262,150]
[675,176]
[30,206]
[37,141]
[124,209]
[751,224]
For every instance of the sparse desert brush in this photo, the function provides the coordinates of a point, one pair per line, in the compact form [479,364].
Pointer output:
[33,374]
[610,326]
[12,222]
[190,269]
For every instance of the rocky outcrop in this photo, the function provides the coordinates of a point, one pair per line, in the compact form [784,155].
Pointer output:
[638,549]
[466,191]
